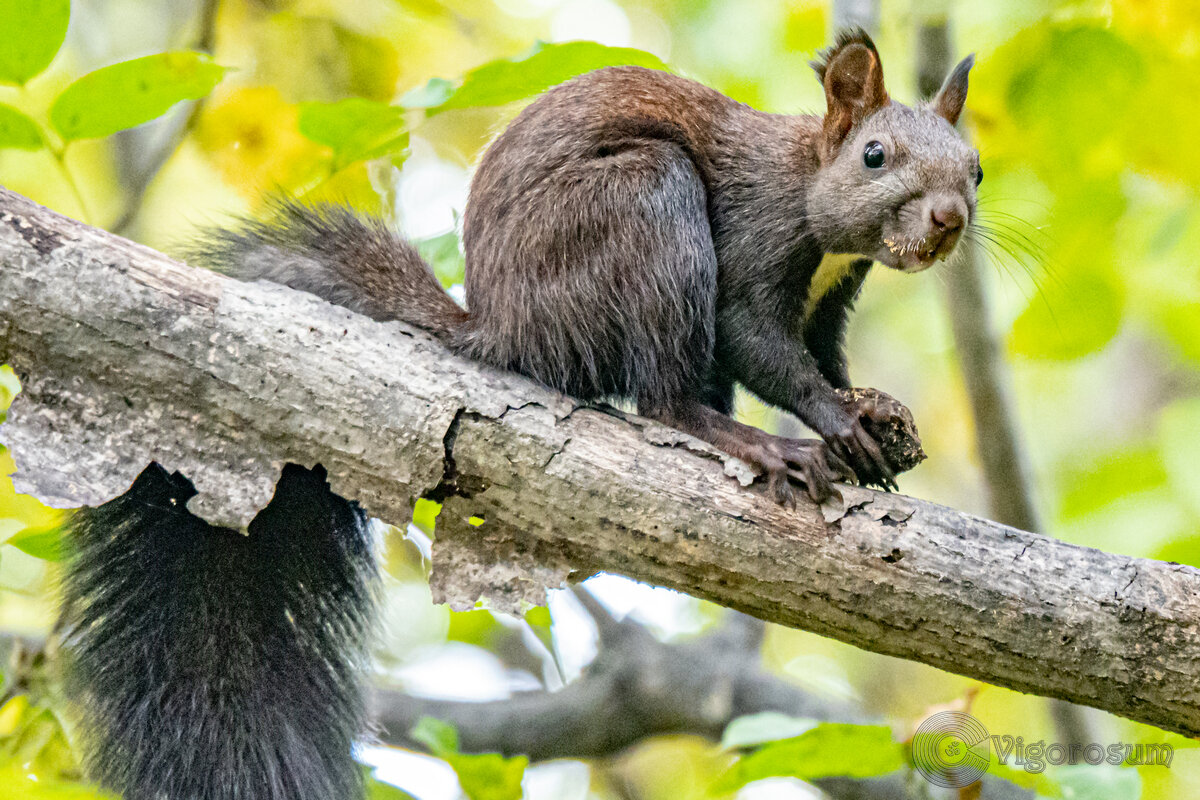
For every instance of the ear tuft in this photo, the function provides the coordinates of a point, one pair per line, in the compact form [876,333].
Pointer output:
[852,75]
[844,39]
[951,98]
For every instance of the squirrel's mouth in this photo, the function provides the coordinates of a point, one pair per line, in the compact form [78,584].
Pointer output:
[917,254]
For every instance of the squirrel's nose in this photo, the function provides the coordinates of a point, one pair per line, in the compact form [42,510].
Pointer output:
[947,217]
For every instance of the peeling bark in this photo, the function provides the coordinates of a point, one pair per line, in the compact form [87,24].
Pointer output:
[128,356]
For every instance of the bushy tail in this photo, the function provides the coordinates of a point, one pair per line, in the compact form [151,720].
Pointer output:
[211,665]
[328,250]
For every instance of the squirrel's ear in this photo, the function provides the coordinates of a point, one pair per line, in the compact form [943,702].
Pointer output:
[952,96]
[853,78]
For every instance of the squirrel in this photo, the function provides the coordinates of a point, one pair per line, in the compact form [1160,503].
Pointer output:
[632,234]
[635,234]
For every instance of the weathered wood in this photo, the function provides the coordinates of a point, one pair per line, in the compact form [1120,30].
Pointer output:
[128,356]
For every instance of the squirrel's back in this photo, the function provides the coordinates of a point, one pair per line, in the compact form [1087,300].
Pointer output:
[595,224]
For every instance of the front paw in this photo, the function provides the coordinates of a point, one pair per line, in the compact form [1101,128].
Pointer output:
[848,438]
[888,422]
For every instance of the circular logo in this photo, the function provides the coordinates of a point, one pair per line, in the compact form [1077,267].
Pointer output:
[951,749]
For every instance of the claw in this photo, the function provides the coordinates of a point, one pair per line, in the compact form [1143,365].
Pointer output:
[808,462]
[840,469]
[883,474]
[818,485]
[821,495]
[785,494]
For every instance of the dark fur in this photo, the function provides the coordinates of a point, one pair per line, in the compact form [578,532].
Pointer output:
[825,327]
[634,233]
[210,665]
[354,261]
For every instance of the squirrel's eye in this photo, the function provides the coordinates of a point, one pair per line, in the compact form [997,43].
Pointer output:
[873,155]
[978,175]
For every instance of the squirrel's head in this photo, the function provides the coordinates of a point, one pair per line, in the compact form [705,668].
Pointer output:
[896,184]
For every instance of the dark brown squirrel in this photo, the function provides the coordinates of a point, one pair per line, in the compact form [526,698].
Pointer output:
[635,234]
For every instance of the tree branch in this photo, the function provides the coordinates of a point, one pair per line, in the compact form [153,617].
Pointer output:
[127,356]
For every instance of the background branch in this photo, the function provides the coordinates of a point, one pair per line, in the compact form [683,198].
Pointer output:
[142,152]
[638,687]
[985,374]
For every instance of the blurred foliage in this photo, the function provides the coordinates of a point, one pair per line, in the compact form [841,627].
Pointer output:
[128,94]
[1084,112]
[31,36]
[825,750]
[356,129]
[508,81]
[486,776]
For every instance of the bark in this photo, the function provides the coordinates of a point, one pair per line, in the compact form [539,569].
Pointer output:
[128,356]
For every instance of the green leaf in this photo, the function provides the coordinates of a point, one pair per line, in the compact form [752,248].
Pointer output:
[356,129]
[477,626]
[18,130]
[425,514]
[378,790]
[1181,324]
[538,617]
[490,776]
[439,737]
[828,750]
[769,726]
[539,621]
[1090,485]
[32,786]
[43,543]
[1073,74]
[31,33]
[1182,549]
[433,93]
[443,254]
[1097,782]
[130,93]
[505,81]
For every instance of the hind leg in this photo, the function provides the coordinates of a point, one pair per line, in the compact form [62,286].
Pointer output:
[778,458]
[673,375]
[805,459]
